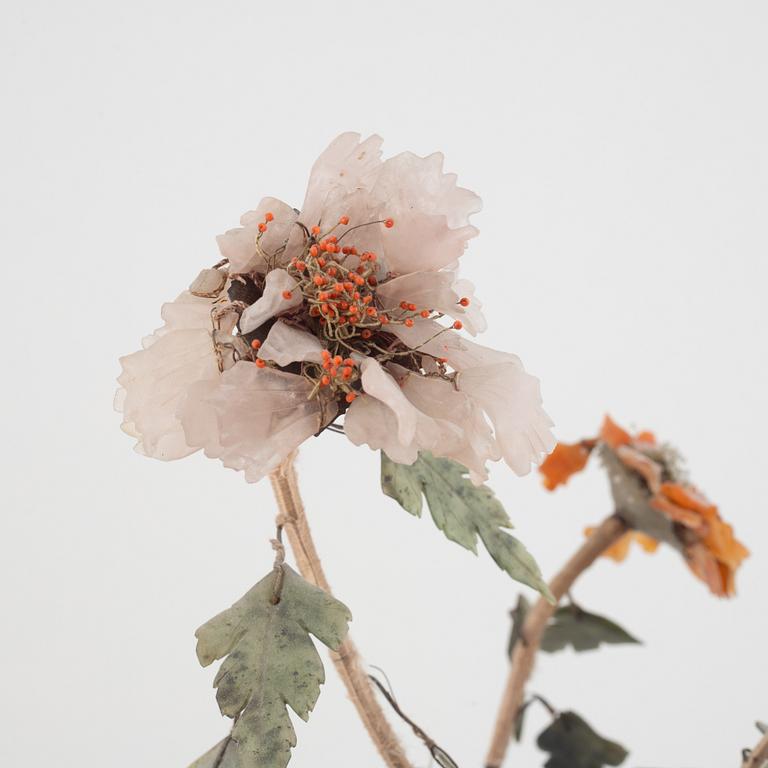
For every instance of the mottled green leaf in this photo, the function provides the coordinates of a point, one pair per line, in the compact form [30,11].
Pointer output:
[569,625]
[572,743]
[461,510]
[270,662]
[226,754]
[584,631]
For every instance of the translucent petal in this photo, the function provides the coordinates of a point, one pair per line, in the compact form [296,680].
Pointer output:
[272,301]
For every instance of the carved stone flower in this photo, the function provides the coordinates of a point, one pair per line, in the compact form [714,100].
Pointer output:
[350,306]
[653,496]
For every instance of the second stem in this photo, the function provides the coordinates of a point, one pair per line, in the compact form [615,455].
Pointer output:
[524,653]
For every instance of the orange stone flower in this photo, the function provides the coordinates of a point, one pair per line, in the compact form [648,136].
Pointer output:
[657,502]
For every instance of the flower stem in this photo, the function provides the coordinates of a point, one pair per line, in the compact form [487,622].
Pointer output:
[524,653]
[346,659]
[757,757]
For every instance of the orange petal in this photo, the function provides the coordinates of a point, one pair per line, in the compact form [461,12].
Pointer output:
[620,549]
[648,543]
[729,580]
[613,434]
[564,461]
[721,542]
[688,497]
[686,517]
[707,568]
[646,467]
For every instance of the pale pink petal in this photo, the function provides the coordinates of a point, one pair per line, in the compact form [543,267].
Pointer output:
[473,317]
[511,398]
[430,337]
[287,344]
[272,301]
[252,418]
[499,385]
[156,379]
[239,244]
[434,339]
[430,212]
[473,443]
[346,167]
[370,422]
[438,291]
[379,384]
[186,311]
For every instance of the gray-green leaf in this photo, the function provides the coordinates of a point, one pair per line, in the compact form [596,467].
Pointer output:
[271,662]
[226,754]
[518,614]
[570,625]
[572,743]
[461,510]
[582,630]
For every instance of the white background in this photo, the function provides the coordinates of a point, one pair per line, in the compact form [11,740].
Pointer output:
[620,149]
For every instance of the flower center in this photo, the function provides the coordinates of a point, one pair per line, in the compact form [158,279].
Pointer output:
[340,305]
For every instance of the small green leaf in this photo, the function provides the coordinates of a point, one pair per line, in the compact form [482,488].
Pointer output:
[271,662]
[582,630]
[520,722]
[461,510]
[569,625]
[572,743]
[518,614]
[226,754]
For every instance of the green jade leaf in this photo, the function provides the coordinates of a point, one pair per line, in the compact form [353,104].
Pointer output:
[572,743]
[461,510]
[271,663]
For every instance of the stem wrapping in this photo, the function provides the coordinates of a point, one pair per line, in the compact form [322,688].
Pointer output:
[346,659]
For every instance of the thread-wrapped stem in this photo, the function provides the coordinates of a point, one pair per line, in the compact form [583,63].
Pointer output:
[347,659]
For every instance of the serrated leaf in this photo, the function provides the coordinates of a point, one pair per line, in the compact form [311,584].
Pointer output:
[569,625]
[461,510]
[226,754]
[572,743]
[582,630]
[271,662]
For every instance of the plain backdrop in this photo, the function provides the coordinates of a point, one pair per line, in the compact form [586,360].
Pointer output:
[620,150]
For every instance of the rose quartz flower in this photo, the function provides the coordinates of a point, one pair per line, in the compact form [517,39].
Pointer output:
[334,310]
